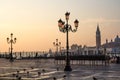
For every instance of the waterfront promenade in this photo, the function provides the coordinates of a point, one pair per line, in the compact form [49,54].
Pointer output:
[46,69]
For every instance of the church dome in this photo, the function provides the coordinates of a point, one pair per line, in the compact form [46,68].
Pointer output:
[117,39]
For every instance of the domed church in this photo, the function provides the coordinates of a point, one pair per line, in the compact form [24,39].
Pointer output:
[112,44]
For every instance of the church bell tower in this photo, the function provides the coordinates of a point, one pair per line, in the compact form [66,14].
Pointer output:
[98,37]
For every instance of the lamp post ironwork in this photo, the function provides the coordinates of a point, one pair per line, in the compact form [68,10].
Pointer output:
[11,41]
[66,28]
[57,44]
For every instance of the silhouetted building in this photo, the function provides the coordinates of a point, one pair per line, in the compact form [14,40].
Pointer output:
[109,47]
[98,37]
[112,46]
[76,49]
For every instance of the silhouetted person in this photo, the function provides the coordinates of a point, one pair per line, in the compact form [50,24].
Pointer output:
[94,78]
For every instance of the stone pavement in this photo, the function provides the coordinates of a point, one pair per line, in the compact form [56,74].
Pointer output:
[27,70]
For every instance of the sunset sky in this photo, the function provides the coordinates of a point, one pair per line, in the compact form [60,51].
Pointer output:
[35,22]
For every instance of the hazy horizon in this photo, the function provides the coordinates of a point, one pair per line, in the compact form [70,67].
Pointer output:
[35,22]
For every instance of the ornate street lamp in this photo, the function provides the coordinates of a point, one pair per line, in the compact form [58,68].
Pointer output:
[65,28]
[57,44]
[11,41]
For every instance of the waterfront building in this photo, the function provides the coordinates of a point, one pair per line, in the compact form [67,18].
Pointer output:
[110,47]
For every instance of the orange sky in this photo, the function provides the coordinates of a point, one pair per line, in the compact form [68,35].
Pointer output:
[34,22]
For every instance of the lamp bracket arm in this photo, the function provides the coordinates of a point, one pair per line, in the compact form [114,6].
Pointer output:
[73,30]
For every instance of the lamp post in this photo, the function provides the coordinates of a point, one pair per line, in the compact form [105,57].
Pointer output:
[66,28]
[57,44]
[11,41]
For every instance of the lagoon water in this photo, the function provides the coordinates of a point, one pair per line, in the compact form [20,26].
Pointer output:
[28,70]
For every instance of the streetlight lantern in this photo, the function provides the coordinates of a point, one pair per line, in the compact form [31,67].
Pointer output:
[60,43]
[65,28]
[11,41]
[76,23]
[61,23]
[7,39]
[15,39]
[67,15]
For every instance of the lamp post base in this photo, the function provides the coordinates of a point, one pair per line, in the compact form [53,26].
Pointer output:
[11,57]
[68,68]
